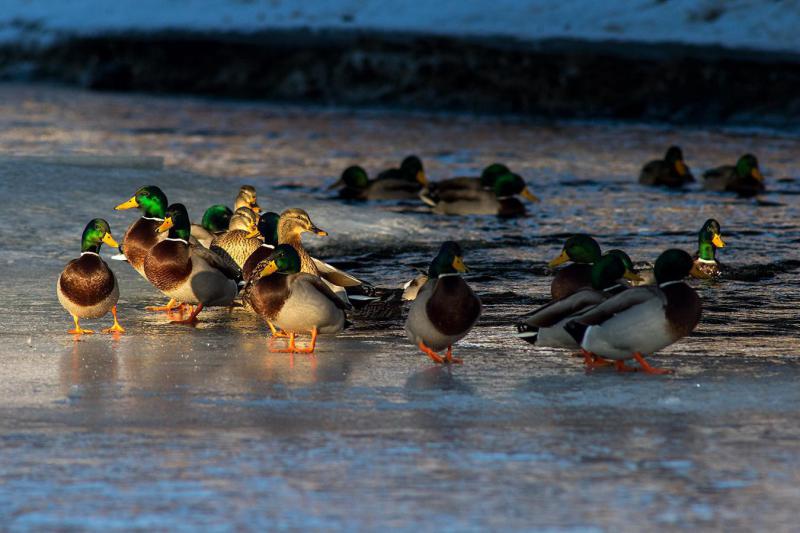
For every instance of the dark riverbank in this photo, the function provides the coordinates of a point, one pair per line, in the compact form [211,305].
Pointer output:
[672,83]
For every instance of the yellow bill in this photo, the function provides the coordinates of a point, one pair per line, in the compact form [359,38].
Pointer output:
[561,259]
[422,178]
[269,269]
[109,240]
[130,204]
[680,166]
[165,225]
[458,264]
[528,195]
[757,174]
[632,276]
[717,241]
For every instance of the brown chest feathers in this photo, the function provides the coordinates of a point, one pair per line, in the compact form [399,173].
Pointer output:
[87,280]
[268,294]
[138,241]
[683,309]
[168,264]
[452,308]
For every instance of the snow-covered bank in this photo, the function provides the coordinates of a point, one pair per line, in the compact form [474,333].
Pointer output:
[755,24]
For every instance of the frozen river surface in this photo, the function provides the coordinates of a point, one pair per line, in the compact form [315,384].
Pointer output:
[176,428]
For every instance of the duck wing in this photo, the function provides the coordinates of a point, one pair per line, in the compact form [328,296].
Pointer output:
[224,264]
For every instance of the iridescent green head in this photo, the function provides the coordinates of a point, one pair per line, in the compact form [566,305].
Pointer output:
[217,218]
[177,222]
[355,177]
[630,273]
[449,260]
[580,248]
[268,227]
[674,157]
[411,168]
[510,184]
[747,166]
[672,265]
[96,232]
[606,271]
[150,200]
[284,259]
[492,172]
[709,239]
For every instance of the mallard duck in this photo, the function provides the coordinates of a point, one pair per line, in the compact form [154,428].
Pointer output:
[544,327]
[642,320]
[635,275]
[292,224]
[86,287]
[494,195]
[247,198]
[670,171]
[241,239]
[355,184]
[142,235]
[190,274]
[411,170]
[705,261]
[268,229]
[216,220]
[583,251]
[445,309]
[745,179]
[293,301]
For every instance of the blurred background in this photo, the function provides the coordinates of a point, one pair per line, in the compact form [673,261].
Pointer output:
[681,61]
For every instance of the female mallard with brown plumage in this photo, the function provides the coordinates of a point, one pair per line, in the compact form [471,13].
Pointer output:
[241,239]
[247,198]
[670,171]
[87,288]
[445,309]
[216,221]
[186,273]
[642,320]
[705,261]
[293,301]
[583,251]
[142,235]
[744,178]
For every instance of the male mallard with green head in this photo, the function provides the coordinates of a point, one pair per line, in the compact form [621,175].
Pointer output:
[496,195]
[293,301]
[355,184]
[583,251]
[141,235]
[445,309]
[241,239]
[190,274]
[87,288]
[705,262]
[544,327]
[670,171]
[642,320]
[268,229]
[216,221]
[744,178]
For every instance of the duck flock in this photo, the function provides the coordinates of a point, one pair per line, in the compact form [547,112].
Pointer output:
[601,305]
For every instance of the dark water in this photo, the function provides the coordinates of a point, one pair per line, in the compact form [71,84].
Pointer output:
[172,427]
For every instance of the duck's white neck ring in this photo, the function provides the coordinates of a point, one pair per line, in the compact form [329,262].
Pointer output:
[184,241]
[93,253]
[706,261]
[265,245]
[449,274]
[668,283]
[153,218]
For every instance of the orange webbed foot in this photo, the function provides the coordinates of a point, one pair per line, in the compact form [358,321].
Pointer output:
[450,359]
[430,353]
[647,369]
